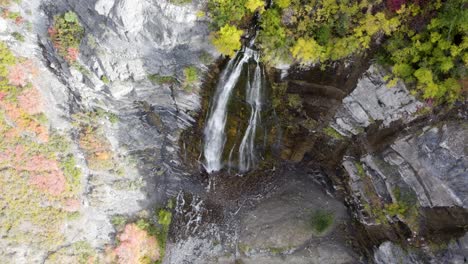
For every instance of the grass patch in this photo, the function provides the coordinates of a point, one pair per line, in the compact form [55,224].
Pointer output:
[360,169]
[321,220]
[105,80]
[18,36]
[180,2]
[161,79]
[331,132]
[190,78]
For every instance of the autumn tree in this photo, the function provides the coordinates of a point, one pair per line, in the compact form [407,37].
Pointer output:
[227,40]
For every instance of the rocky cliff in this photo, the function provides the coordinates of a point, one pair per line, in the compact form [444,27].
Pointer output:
[135,121]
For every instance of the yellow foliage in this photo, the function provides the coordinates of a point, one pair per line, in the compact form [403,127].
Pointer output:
[307,51]
[227,40]
[254,5]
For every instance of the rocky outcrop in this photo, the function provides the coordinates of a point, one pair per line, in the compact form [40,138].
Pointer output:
[279,226]
[282,225]
[455,252]
[423,170]
[373,101]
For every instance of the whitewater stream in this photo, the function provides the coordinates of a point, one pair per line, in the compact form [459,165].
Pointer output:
[214,132]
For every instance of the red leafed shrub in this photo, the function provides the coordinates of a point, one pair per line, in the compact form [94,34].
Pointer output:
[52,182]
[2,95]
[40,163]
[45,173]
[19,20]
[23,123]
[66,34]
[135,245]
[31,101]
[72,205]
[18,76]
[72,54]
[395,5]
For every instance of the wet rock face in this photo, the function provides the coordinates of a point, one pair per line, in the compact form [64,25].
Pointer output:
[278,225]
[283,224]
[372,101]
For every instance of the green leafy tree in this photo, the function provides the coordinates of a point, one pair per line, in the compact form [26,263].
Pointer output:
[227,12]
[283,3]
[433,59]
[227,40]
[307,51]
[254,5]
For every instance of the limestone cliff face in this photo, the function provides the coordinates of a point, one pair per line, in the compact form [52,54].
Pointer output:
[372,101]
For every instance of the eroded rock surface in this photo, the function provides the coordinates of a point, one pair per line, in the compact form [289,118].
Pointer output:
[373,101]
[275,227]
[455,252]
[425,170]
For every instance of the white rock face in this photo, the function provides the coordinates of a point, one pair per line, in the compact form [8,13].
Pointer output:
[373,100]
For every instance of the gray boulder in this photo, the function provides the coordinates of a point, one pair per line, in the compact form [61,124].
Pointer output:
[372,101]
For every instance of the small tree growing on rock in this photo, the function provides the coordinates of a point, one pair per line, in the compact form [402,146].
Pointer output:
[66,34]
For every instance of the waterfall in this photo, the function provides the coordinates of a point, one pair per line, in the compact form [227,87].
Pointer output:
[214,133]
[254,99]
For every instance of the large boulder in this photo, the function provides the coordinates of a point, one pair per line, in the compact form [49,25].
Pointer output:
[373,100]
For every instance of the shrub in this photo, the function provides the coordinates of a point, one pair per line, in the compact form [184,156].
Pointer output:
[307,51]
[135,245]
[254,5]
[321,220]
[105,80]
[224,12]
[190,78]
[331,132]
[283,3]
[227,40]
[66,34]
[180,2]
[161,79]
[434,59]
[18,36]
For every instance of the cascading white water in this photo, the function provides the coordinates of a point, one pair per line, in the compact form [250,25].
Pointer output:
[215,137]
[254,99]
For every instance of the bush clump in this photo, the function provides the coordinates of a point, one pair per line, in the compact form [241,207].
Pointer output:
[190,78]
[227,40]
[66,34]
[321,220]
[434,59]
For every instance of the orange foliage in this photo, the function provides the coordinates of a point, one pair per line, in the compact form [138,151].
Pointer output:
[17,76]
[40,163]
[72,205]
[135,245]
[72,54]
[45,173]
[23,122]
[31,101]
[52,182]
[20,74]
